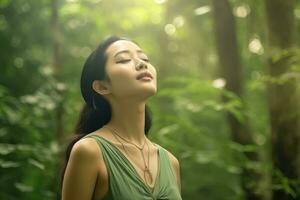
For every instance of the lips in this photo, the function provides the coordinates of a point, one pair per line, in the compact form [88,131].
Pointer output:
[144,74]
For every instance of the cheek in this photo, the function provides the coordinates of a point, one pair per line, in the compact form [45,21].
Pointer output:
[120,75]
[153,71]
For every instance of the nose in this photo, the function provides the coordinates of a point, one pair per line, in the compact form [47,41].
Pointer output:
[141,64]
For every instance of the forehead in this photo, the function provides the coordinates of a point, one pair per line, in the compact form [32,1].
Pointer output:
[122,45]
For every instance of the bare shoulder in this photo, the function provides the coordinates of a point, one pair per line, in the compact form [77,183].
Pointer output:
[81,171]
[174,160]
[86,148]
[176,168]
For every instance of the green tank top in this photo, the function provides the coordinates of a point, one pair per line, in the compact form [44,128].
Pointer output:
[126,184]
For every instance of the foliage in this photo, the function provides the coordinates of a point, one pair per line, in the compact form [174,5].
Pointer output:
[189,114]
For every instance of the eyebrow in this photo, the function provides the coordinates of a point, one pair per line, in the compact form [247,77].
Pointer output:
[127,51]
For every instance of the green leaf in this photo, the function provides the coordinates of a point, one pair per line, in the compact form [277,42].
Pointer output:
[6,148]
[36,163]
[23,187]
[8,164]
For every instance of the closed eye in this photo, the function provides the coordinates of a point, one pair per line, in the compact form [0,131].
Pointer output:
[123,61]
[146,59]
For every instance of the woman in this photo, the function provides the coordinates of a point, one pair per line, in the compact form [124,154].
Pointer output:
[111,157]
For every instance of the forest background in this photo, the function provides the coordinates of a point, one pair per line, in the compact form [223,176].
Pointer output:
[228,90]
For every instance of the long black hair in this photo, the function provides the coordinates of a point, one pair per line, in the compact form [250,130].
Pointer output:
[97,111]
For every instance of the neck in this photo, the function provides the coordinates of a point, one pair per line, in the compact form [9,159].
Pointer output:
[128,119]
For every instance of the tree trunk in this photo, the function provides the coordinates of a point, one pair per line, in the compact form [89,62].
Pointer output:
[59,111]
[55,53]
[283,97]
[231,71]
[55,65]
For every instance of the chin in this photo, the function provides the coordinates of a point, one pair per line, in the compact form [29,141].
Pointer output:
[146,93]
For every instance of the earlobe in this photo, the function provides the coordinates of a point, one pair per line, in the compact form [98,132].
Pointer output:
[100,87]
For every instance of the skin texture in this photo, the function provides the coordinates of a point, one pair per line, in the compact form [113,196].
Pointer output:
[86,175]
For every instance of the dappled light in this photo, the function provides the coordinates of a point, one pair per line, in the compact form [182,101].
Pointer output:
[227,101]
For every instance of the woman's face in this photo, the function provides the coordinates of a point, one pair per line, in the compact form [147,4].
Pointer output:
[125,62]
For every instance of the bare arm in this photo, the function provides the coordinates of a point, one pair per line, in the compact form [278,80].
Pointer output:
[176,167]
[81,172]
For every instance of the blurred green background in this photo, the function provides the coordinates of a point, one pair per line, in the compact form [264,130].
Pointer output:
[228,90]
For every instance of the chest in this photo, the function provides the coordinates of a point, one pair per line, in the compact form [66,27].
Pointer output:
[138,162]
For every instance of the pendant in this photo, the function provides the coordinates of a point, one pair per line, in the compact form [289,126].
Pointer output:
[148,176]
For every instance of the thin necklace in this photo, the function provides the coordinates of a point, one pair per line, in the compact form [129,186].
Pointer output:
[146,170]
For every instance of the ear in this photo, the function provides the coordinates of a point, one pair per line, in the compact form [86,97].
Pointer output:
[100,87]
